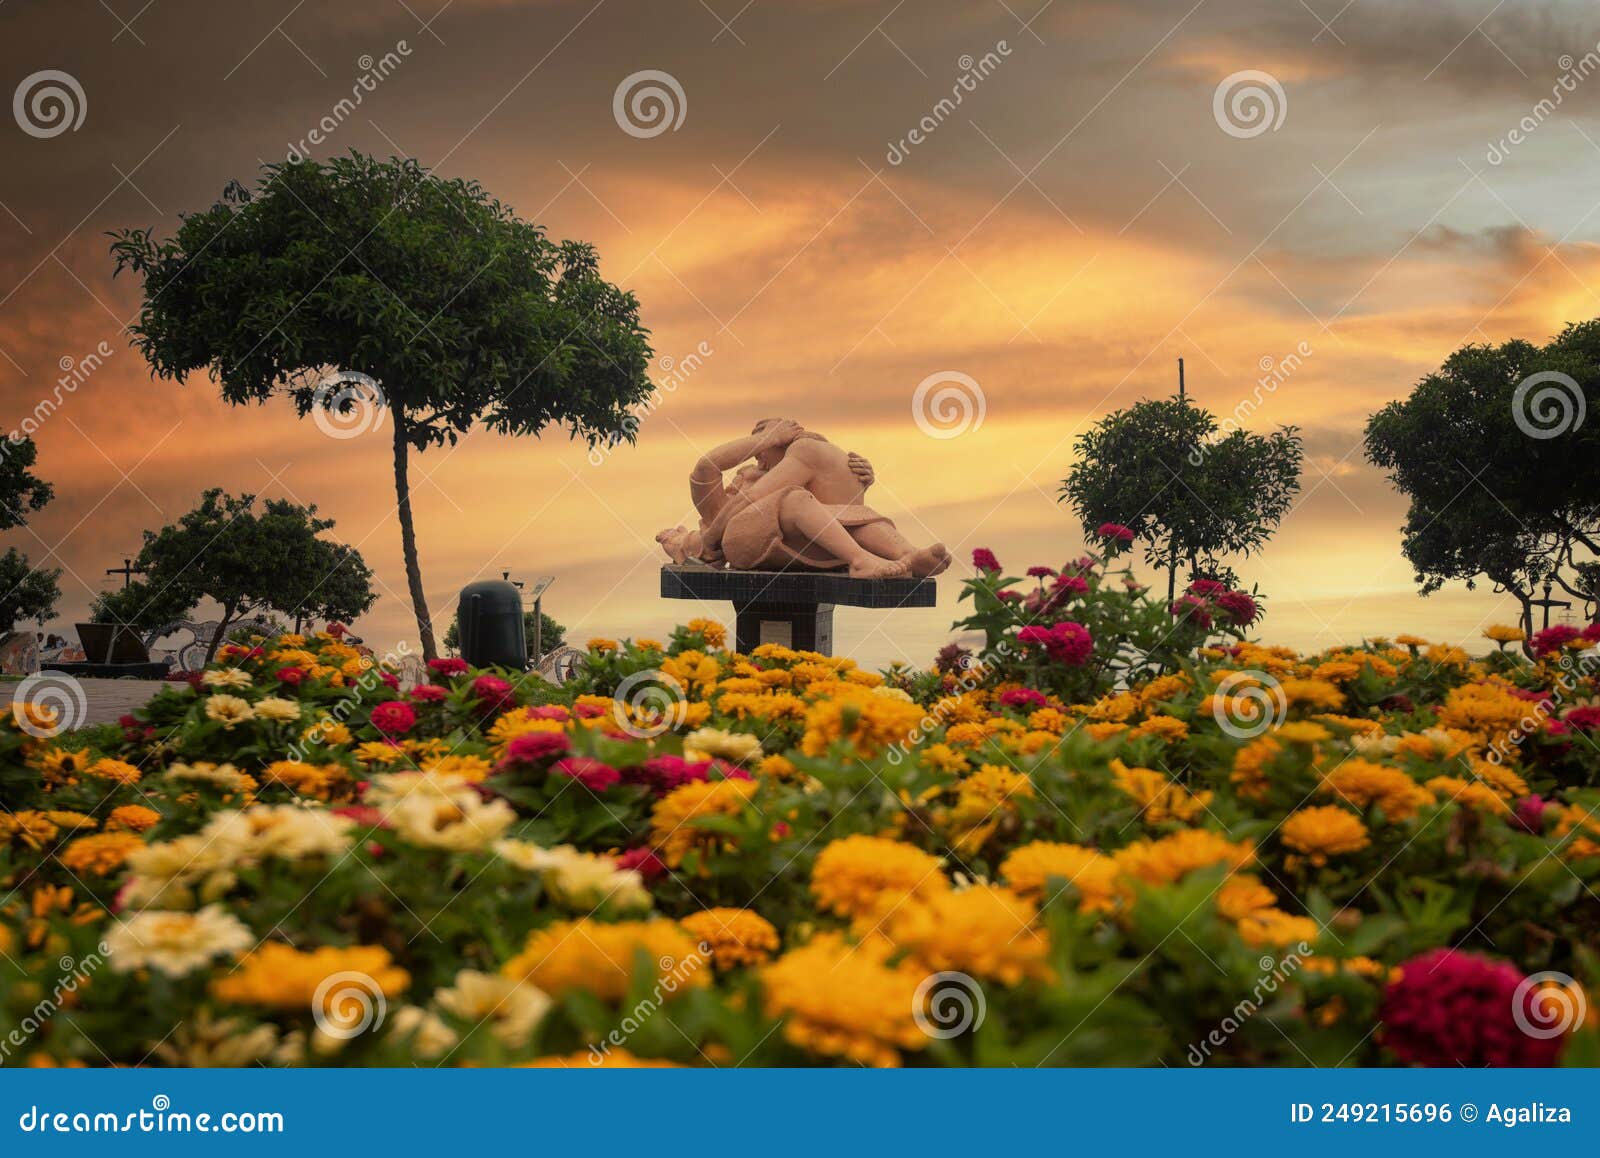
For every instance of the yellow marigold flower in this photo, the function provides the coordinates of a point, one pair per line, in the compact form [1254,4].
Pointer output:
[944,758]
[1313,693]
[228,711]
[853,876]
[846,1001]
[314,780]
[868,723]
[1163,861]
[1163,689]
[101,854]
[778,767]
[1159,799]
[1409,641]
[1243,895]
[1573,818]
[1030,869]
[1337,671]
[713,632]
[646,644]
[27,827]
[1168,728]
[1323,831]
[735,937]
[327,731]
[600,957]
[1115,709]
[1302,732]
[1249,775]
[132,818]
[69,820]
[1503,634]
[1483,709]
[516,723]
[1363,783]
[278,709]
[600,646]
[1104,731]
[697,672]
[280,976]
[967,708]
[672,829]
[1474,795]
[117,771]
[379,752]
[1052,720]
[745,685]
[1275,928]
[469,768]
[982,800]
[228,677]
[984,931]
[1506,783]
[1005,727]
[966,735]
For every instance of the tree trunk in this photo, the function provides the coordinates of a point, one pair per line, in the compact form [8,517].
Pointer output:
[219,634]
[408,537]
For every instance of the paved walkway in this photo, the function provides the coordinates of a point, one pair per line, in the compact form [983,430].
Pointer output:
[105,699]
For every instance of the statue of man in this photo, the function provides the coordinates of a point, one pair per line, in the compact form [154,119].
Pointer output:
[795,502]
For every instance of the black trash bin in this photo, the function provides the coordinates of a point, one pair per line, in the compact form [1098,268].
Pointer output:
[489,619]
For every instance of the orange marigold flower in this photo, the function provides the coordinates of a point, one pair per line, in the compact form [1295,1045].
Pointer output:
[101,854]
[852,877]
[1030,868]
[132,818]
[1323,831]
[600,957]
[846,1001]
[735,937]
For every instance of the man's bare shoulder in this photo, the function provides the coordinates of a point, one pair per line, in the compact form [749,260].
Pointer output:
[817,452]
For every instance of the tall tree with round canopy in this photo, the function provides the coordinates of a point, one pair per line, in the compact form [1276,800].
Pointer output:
[377,289]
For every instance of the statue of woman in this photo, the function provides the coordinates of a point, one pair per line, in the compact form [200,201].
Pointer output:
[796,505]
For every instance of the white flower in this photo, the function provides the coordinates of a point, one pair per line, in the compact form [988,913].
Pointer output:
[579,880]
[223,776]
[277,709]
[430,1036]
[176,943]
[228,677]
[285,831]
[514,1008]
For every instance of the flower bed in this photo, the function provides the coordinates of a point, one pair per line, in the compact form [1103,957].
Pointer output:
[1237,855]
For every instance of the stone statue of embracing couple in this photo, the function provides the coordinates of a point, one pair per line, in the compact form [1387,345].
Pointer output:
[795,502]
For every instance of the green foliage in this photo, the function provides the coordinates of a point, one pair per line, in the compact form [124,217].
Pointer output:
[1489,499]
[21,491]
[249,563]
[1192,494]
[142,605]
[26,592]
[458,311]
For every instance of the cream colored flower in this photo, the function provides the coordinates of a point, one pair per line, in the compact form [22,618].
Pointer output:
[176,943]
[513,1009]
[228,710]
[222,776]
[285,831]
[707,743]
[461,821]
[430,1036]
[204,1041]
[890,692]
[228,677]
[277,709]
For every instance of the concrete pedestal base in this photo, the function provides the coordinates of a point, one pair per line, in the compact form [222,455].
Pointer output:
[792,608]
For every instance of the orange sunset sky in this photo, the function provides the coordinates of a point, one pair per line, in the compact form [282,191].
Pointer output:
[1080,221]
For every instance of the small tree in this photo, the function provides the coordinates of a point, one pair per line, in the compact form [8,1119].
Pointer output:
[251,563]
[440,308]
[142,605]
[552,636]
[1192,495]
[1501,469]
[26,592]
[21,491]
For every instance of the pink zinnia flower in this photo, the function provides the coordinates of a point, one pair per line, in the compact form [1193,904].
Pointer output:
[661,774]
[548,712]
[1207,587]
[1071,585]
[291,676]
[429,693]
[1114,532]
[1583,719]
[643,861]
[1240,607]
[983,559]
[595,775]
[1452,1008]
[1529,814]
[394,718]
[531,747]
[1038,572]
[448,667]
[1023,699]
[492,692]
[1553,638]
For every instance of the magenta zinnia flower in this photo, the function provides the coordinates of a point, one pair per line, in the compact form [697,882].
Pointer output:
[983,559]
[1452,1008]
[394,718]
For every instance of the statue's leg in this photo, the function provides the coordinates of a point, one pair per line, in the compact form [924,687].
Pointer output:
[801,517]
[884,539]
